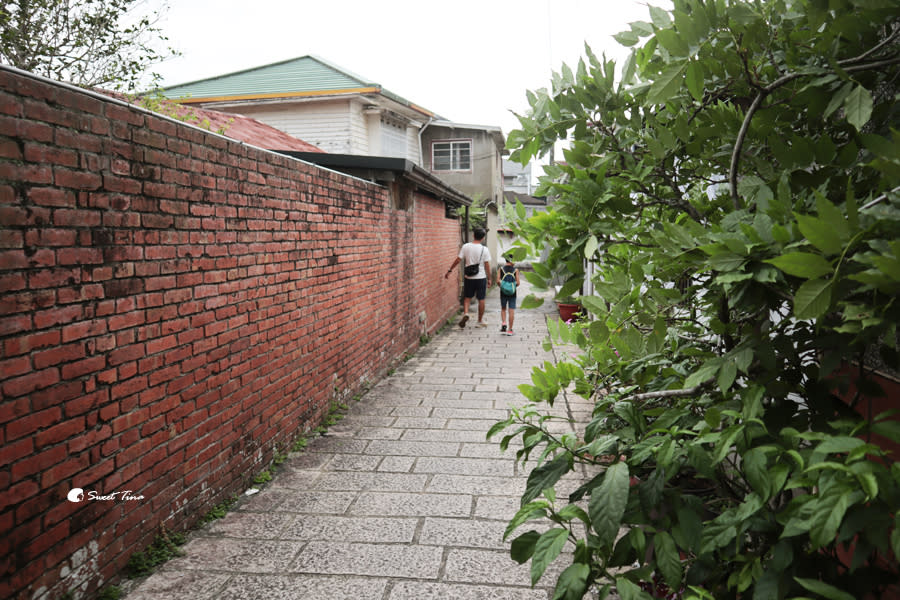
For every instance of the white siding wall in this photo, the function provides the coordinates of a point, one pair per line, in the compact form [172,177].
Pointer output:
[359,129]
[323,124]
[412,145]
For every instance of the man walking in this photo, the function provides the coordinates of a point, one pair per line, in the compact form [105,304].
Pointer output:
[476,259]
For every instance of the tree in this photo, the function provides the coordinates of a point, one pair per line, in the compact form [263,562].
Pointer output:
[91,43]
[737,188]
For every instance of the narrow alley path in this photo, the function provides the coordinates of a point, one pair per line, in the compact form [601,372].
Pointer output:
[403,499]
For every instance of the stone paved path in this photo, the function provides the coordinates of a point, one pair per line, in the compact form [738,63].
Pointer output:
[403,499]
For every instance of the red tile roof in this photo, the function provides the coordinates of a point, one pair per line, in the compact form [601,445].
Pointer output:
[234,126]
[246,129]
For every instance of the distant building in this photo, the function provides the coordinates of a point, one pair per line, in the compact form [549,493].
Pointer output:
[517,178]
[346,114]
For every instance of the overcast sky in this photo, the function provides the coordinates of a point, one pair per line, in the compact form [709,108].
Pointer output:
[469,61]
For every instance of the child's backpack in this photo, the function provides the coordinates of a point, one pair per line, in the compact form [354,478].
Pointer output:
[508,286]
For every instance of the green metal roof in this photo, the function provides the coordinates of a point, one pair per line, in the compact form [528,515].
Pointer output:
[306,75]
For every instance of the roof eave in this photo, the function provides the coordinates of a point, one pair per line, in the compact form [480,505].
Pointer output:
[354,164]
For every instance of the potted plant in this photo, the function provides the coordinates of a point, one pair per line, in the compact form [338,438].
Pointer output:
[569,308]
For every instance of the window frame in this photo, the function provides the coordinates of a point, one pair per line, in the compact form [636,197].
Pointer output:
[453,143]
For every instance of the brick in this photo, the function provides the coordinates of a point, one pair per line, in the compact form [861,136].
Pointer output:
[80,368]
[62,431]
[37,463]
[84,329]
[57,355]
[15,366]
[19,386]
[13,451]
[57,316]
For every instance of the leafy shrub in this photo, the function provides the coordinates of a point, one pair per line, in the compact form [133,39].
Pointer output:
[736,190]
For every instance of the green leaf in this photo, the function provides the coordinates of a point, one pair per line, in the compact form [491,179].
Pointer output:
[607,503]
[727,373]
[707,371]
[665,86]
[532,510]
[812,299]
[671,41]
[820,234]
[546,549]
[824,589]
[802,264]
[546,476]
[695,79]
[531,301]
[522,548]
[627,38]
[755,469]
[858,107]
[667,559]
[591,247]
[838,445]
[829,512]
[628,590]
[660,17]
[573,582]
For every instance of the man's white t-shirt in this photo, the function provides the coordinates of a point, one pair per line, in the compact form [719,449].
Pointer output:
[471,254]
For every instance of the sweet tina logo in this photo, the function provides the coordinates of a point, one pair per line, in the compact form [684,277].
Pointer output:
[77,495]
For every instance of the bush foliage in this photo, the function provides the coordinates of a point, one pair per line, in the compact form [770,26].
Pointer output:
[735,186]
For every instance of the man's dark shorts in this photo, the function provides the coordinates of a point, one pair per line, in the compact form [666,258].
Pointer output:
[475,287]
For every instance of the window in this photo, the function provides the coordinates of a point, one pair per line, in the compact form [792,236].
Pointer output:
[451,155]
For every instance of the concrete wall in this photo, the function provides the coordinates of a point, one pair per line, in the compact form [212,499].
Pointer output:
[485,181]
[174,308]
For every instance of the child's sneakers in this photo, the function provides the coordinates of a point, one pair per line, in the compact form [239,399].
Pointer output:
[503,328]
[509,332]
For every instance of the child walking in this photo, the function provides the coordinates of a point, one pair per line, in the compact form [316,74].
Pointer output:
[508,280]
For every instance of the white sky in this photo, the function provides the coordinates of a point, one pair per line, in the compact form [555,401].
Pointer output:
[469,61]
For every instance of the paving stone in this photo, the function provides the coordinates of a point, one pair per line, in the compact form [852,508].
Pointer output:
[269,499]
[415,505]
[412,411]
[350,529]
[236,556]
[473,533]
[395,482]
[302,587]
[420,590]
[477,425]
[497,507]
[258,525]
[474,484]
[397,464]
[480,414]
[319,502]
[168,584]
[466,466]
[443,435]
[306,461]
[381,560]
[404,448]
[296,479]
[420,423]
[335,445]
[379,433]
[483,566]
[353,462]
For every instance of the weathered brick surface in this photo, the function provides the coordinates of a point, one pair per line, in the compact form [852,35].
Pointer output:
[174,307]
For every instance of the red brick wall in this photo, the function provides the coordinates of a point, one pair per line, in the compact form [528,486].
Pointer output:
[173,306]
